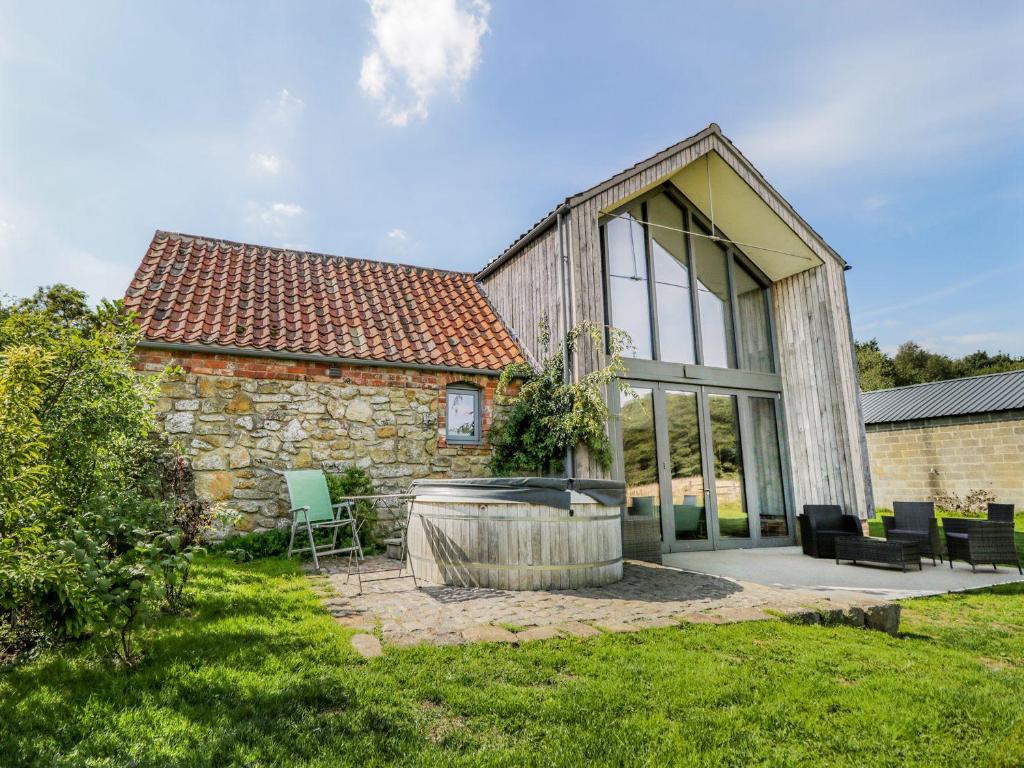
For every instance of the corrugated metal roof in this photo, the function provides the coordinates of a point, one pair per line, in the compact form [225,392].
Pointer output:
[955,397]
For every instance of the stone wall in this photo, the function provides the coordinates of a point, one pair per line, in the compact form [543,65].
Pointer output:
[239,417]
[917,460]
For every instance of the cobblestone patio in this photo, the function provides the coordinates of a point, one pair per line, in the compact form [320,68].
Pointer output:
[648,596]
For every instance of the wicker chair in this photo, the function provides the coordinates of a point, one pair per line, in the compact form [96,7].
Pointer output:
[915,521]
[1000,513]
[983,542]
[821,525]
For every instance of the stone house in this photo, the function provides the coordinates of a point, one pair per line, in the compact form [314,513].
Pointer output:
[743,402]
[948,437]
[291,360]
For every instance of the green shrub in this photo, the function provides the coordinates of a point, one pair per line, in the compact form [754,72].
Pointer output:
[355,481]
[87,542]
[254,546]
[546,416]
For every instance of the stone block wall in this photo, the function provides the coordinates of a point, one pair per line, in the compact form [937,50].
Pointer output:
[917,460]
[238,417]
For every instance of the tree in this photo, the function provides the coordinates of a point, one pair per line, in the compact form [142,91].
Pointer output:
[913,364]
[875,367]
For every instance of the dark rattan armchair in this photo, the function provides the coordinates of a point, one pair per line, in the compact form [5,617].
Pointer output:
[915,521]
[983,542]
[821,524]
[1000,513]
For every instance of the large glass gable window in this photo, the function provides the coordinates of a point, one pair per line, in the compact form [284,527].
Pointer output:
[684,298]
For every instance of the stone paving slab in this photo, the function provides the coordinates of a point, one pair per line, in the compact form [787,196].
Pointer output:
[648,596]
[367,645]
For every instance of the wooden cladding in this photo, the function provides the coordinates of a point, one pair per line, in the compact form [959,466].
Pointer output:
[526,292]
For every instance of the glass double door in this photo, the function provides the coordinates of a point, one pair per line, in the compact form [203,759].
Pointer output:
[707,462]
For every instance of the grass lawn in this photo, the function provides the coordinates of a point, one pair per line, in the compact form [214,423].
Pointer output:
[259,675]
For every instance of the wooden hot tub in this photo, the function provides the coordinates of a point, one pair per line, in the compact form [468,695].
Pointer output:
[516,533]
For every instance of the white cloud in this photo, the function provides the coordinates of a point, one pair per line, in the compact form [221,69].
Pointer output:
[398,234]
[419,48]
[875,202]
[286,102]
[894,100]
[277,213]
[277,220]
[265,162]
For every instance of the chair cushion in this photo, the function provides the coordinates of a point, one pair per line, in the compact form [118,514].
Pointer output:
[950,535]
[821,532]
[908,532]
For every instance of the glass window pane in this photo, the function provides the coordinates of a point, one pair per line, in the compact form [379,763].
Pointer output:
[764,441]
[690,518]
[461,417]
[627,280]
[733,520]
[640,453]
[672,281]
[755,331]
[713,301]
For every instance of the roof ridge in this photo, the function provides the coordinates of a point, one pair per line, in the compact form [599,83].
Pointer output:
[317,254]
[1019,371]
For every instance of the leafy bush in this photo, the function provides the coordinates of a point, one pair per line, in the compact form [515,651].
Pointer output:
[254,546]
[356,481]
[88,541]
[534,427]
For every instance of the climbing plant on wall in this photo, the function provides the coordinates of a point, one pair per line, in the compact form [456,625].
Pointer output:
[540,415]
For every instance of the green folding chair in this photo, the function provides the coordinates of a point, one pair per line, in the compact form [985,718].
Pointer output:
[312,510]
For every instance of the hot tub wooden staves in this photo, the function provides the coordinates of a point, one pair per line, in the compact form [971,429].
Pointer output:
[513,545]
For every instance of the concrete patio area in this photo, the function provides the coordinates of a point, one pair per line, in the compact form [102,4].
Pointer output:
[788,568]
[397,613]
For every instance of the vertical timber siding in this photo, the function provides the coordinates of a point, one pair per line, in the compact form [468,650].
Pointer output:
[526,291]
[825,433]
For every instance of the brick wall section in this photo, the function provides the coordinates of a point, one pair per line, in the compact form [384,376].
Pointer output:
[237,417]
[916,460]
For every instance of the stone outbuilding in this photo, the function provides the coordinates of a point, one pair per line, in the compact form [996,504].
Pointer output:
[946,437]
[293,360]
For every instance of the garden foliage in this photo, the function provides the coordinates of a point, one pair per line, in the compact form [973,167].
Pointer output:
[91,535]
[546,415]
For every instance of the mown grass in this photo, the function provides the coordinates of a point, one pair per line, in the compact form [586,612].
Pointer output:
[259,675]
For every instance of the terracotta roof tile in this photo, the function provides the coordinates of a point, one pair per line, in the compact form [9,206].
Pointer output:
[193,290]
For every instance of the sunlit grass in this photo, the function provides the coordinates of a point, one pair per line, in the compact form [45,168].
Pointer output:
[260,675]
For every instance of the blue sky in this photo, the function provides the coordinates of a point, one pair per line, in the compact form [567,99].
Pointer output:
[435,131]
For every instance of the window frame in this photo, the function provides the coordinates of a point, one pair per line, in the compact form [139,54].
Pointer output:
[464,389]
[693,220]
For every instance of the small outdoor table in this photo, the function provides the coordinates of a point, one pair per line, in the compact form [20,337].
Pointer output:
[872,550]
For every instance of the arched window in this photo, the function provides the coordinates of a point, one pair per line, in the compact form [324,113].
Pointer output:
[462,414]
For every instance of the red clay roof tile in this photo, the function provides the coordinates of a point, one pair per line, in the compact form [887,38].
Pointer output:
[193,290]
